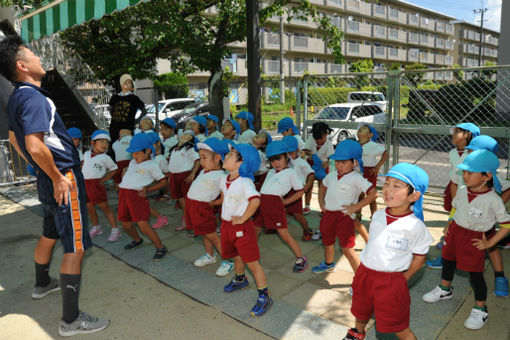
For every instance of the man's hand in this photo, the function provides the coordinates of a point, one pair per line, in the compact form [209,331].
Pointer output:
[61,187]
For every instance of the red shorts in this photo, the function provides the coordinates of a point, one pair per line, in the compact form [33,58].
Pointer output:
[132,207]
[295,207]
[200,217]
[239,240]
[382,293]
[458,246]
[447,198]
[120,165]
[259,180]
[96,191]
[371,178]
[271,213]
[178,187]
[336,224]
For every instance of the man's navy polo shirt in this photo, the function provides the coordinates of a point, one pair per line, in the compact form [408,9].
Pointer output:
[31,111]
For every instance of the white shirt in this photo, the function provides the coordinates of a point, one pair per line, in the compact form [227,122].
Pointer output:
[246,136]
[215,134]
[182,160]
[80,153]
[201,137]
[236,197]
[206,187]
[344,191]
[455,160]
[264,164]
[97,166]
[302,168]
[169,143]
[323,152]
[371,152]
[390,247]
[162,163]
[120,148]
[484,210]
[281,182]
[301,143]
[139,175]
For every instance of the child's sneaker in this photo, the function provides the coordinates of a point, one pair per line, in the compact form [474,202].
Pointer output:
[40,292]
[190,233]
[307,235]
[96,231]
[158,255]
[161,222]
[234,285]
[182,227]
[439,244]
[437,263]
[317,235]
[264,302]
[353,334]
[306,210]
[114,235]
[323,268]
[501,286]
[301,264]
[438,294]
[225,268]
[84,324]
[205,260]
[133,245]
[477,319]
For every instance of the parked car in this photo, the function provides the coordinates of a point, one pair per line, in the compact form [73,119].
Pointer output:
[350,112]
[367,97]
[196,109]
[169,107]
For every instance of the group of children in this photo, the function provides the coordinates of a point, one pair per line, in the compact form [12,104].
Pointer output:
[253,182]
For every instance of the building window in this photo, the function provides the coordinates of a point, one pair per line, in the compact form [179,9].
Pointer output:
[379,51]
[413,19]
[380,9]
[353,47]
[273,38]
[379,31]
[393,13]
[300,41]
[393,32]
[353,26]
[393,52]
[336,2]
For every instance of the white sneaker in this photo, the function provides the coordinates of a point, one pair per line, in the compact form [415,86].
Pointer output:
[205,260]
[114,235]
[477,319]
[225,268]
[438,294]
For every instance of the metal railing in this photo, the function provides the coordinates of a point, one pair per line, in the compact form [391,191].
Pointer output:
[13,168]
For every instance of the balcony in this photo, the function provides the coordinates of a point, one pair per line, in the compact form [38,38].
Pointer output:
[448,60]
[379,52]
[439,59]
[397,35]
[317,2]
[427,23]
[379,31]
[360,7]
[440,26]
[271,41]
[379,11]
[316,68]
[449,45]
[397,54]
[337,68]
[307,44]
[241,70]
[358,50]
[271,67]
[358,28]
[413,38]
[412,55]
[335,3]
[426,40]
[397,15]
[300,67]
[337,21]
[413,20]
[303,23]
[426,58]
[238,44]
[449,29]
[440,43]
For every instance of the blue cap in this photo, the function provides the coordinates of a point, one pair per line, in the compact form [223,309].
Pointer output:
[251,159]
[213,118]
[202,121]
[414,176]
[373,131]
[153,136]
[277,147]
[320,172]
[482,161]
[292,143]
[287,123]
[483,142]
[237,127]
[170,122]
[475,130]
[248,116]
[139,142]
[74,132]
[215,145]
[100,134]
[348,149]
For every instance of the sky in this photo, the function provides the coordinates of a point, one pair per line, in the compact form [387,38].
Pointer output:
[463,9]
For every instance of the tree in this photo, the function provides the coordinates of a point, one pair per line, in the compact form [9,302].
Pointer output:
[182,32]
[173,85]
[414,77]
[362,66]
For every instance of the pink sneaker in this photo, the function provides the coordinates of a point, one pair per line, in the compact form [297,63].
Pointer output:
[114,235]
[161,222]
[96,231]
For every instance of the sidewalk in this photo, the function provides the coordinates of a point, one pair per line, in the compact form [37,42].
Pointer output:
[307,306]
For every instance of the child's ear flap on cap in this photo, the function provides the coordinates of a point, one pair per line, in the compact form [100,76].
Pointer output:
[414,196]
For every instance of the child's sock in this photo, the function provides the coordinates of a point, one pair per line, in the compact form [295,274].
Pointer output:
[328,264]
[263,291]
[240,278]
[483,309]
[499,274]
[444,288]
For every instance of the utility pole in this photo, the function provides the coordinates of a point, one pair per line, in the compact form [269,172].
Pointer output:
[282,73]
[253,54]
[480,11]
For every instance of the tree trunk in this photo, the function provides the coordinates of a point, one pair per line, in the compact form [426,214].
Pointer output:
[216,93]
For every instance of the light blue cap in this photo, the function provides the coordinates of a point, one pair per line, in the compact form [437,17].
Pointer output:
[251,159]
[483,142]
[248,116]
[139,142]
[287,123]
[170,122]
[475,130]
[100,134]
[74,132]
[277,147]
[213,118]
[348,149]
[482,161]
[215,145]
[292,143]
[416,177]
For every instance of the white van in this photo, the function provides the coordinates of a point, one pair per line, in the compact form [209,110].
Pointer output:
[169,107]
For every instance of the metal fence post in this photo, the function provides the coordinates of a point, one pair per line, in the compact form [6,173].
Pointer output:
[396,117]
[298,104]
[305,104]
[156,106]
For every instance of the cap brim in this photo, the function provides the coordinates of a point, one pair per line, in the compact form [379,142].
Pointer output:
[396,176]
[134,149]
[466,167]
[340,157]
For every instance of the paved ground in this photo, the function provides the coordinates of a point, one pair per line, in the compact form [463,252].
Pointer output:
[146,299]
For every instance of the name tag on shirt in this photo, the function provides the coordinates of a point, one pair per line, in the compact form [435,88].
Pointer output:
[239,234]
[397,243]
[475,212]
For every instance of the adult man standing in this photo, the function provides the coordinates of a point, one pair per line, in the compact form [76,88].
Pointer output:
[39,135]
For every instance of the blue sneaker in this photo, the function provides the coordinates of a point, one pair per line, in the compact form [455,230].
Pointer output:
[439,244]
[264,302]
[437,263]
[501,286]
[323,268]
[234,285]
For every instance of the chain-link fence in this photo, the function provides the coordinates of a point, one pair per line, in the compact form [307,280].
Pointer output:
[13,168]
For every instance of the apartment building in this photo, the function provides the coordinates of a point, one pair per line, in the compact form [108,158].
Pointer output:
[467,45]
[389,31]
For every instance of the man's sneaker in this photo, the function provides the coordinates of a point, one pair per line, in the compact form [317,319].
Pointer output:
[477,319]
[353,334]
[234,285]
[264,302]
[307,235]
[39,292]
[301,264]
[133,245]
[437,263]
[306,210]
[204,260]
[114,235]
[96,231]
[317,235]
[161,222]
[225,268]
[84,324]
[501,286]
[438,294]
[158,255]
[323,268]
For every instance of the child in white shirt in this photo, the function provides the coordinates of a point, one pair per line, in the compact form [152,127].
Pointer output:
[212,127]
[76,136]
[287,127]
[167,128]
[260,142]
[231,130]
[245,120]
[198,125]
[122,157]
